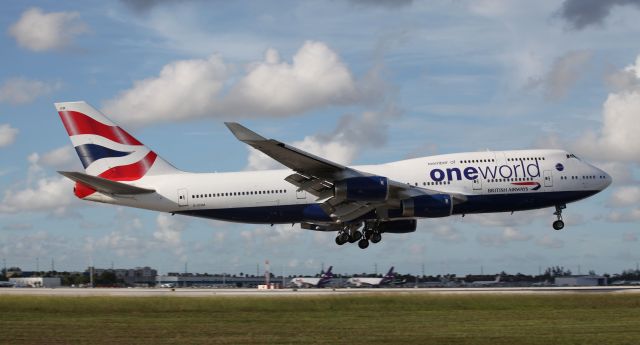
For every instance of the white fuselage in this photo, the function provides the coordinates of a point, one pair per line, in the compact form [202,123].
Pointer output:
[493,181]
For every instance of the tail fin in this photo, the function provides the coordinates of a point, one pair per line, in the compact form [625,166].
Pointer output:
[105,149]
[328,273]
[390,273]
[326,277]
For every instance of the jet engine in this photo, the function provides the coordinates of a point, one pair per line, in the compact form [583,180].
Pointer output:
[430,206]
[398,226]
[362,188]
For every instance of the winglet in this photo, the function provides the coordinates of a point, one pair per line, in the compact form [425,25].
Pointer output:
[243,133]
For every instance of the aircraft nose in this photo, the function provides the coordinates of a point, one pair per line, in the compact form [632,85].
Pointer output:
[606,179]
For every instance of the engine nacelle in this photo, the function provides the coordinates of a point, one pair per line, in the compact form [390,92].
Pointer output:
[398,226]
[364,188]
[431,206]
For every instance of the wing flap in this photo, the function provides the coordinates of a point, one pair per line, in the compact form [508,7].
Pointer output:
[103,185]
[318,187]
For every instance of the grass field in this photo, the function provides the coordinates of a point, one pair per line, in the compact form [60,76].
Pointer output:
[349,319]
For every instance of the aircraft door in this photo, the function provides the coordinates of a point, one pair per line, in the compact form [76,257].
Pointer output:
[548,178]
[477,184]
[301,194]
[182,197]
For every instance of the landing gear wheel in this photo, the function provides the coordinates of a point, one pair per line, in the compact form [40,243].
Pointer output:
[368,234]
[363,243]
[558,225]
[355,237]
[342,238]
[376,237]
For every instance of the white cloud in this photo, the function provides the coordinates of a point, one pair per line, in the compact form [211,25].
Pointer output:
[126,240]
[32,245]
[317,77]
[185,89]
[621,172]
[550,242]
[21,91]
[509,234]
[445,233]
[631,215]
[280,235]
[62,157]
[189,89]
[8,135]
[563,74]
[618,138]
[169,230]
[351,135]
[626,196]
[49,194]
[39,31]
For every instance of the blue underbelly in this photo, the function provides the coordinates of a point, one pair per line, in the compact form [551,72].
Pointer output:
[486,203]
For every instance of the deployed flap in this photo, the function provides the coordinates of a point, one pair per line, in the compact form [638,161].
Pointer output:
[320,188]
[103,185]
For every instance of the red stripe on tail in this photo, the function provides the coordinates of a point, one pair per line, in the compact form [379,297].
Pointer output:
[78,123]
[131,172]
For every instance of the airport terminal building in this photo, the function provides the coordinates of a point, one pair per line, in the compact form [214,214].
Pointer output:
[590,280]
[188,280]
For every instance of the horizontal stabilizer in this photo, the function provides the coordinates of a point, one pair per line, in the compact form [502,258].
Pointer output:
[103,185]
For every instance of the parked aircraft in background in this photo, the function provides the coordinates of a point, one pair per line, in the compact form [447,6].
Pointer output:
[324,279]
[372,281]
[360,203]
[4,284]
[486,282]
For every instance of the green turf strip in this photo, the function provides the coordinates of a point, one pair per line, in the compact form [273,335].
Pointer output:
[346,319]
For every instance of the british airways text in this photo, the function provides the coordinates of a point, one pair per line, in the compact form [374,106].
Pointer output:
[520,169]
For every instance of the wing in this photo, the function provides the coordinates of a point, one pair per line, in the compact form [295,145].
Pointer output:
[318,176]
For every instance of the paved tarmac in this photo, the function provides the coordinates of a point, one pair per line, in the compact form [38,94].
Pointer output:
[198,292]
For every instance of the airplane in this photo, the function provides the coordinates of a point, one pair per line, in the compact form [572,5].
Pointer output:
[325,278]
[486,282]
[317,193]
[4,284]
[372,281]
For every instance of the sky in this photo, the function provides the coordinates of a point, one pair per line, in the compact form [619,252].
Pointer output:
[355,81]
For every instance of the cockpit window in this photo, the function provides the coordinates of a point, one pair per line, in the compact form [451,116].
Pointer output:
[571,155]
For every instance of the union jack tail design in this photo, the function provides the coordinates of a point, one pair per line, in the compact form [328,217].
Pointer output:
[105,149]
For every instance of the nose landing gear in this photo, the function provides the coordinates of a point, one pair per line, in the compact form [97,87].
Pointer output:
[559,224]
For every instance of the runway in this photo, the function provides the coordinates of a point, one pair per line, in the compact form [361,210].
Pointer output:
[196,292]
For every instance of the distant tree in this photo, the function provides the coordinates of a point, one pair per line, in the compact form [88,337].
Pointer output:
[557,271]
[108,278]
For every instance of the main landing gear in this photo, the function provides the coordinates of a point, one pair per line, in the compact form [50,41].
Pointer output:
[559,224]
[350,233]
